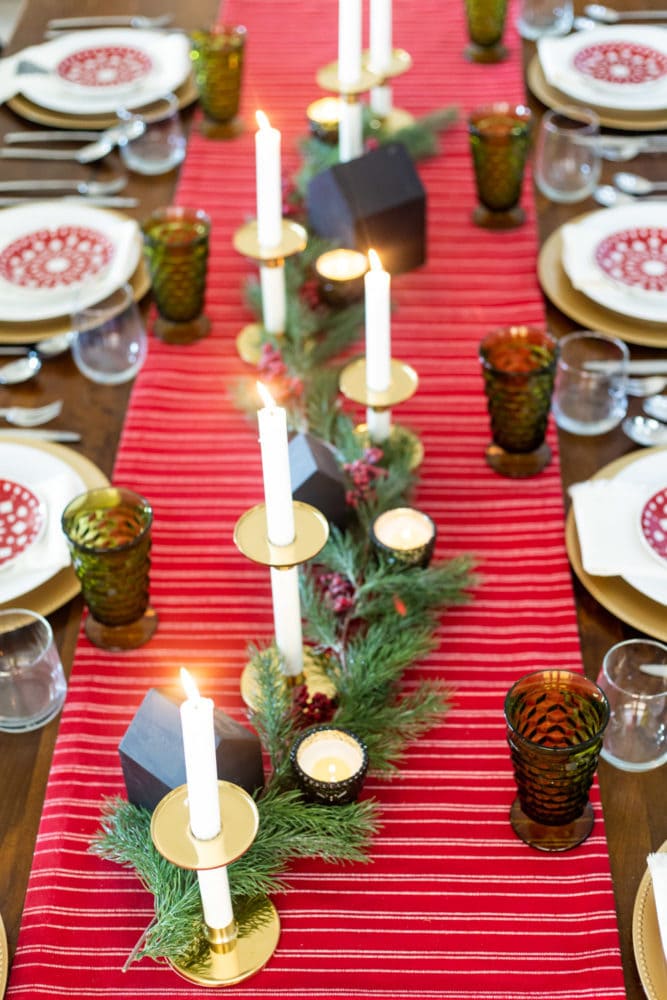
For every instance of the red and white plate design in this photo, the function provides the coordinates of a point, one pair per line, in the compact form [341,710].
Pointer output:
[621,63]
[55,257]
[22,520]
[635,257]
[104,67]
[653,523]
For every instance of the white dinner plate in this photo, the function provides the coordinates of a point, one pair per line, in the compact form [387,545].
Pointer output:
[651,468]
[56,257]
[95,71]
[619,66]
[56,483]
[618,258]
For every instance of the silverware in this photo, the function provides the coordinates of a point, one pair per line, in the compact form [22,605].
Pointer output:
[95,188]
[20,370]
[92,151]
[607,15]
[618,148]
[645,431]
[637,185]
[654,669]
[51,135]
[138,21]
[32,416]
[41,435]
[647,366]
[650,385]
[47,347]
[656,407]
[111,201]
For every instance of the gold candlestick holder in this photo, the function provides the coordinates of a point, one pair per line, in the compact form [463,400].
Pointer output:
[311,531]
[293,240]
[328,78]
[401,62]
[233,956]
[402,386]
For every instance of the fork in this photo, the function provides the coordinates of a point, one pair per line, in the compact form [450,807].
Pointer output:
[32,416]
[648,385]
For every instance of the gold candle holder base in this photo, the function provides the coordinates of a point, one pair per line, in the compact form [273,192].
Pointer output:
[311,533]
[328,79]
[401,62]
[403,384]
[399,437]
[396,120]
[293,240]
[313,676]
[249,343]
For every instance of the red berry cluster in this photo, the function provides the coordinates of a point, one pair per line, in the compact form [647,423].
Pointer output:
[364,472]
[311,710]
[310,294]
[272,368]
[338,590]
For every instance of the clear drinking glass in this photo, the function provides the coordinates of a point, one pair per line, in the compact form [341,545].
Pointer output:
[110,342]
[32,682]
[567,158]
[161,146]
[589,394]
[540,18]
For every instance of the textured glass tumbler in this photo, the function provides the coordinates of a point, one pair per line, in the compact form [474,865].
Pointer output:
[499,141]
[176,245]
[217,63]
[108,531]
[486,24]
[555,725]
[518,367]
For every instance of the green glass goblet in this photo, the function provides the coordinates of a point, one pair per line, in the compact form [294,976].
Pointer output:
[108,531]
[555,724]
[217,64]
[486,24]
[176,245]
[518,367]
[499,142]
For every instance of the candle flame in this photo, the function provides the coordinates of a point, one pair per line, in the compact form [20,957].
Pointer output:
[265,396]
[374,260]
[189,684]
[262,119]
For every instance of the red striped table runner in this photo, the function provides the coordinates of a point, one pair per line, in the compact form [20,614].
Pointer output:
[452,905]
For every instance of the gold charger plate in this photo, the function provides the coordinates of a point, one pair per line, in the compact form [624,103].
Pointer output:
[63,586]
[558,287]
[612,592]
[4,958]
[25,333]
[185,94]
[646,941]
[632,121]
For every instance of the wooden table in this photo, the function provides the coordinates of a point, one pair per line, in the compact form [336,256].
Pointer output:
[633,804]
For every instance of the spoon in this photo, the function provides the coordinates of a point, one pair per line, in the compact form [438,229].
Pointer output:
[20,370]
[49,347]
[608,196]
[645,431]
[609,16]
[656,406]
[92,188]
[85,154]
[635,184]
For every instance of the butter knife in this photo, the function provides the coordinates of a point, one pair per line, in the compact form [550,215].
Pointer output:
[127,20]
[100,201]
[40,435]
[650,366]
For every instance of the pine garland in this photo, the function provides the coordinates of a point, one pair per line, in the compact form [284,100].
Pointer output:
[367,622]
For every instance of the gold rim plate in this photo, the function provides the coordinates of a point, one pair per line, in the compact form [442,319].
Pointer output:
[62,587]
[646,941]
[631,121]
[612,592]
[185,94]
[557,286]
[4,958]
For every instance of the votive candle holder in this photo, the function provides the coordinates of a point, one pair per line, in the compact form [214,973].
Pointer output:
[329,764]
[340,276]
[405,536]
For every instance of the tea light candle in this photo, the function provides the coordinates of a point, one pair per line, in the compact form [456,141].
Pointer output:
[268,183]
[330,764]
[340,275]
[406,535]
[323,117]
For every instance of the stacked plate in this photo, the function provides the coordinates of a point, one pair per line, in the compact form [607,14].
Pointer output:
[38,480]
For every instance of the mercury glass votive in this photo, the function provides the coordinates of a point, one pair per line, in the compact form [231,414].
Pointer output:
[499,142]
[340,276]
[323,118]
[406,536]
[329,764]
[555,723]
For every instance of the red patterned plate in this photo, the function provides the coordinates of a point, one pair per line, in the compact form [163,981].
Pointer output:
[22,520]
[104,67]
[619,62]
[55,258]
[653,523]
[635,257]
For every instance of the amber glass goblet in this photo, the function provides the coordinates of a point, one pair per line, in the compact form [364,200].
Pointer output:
[108,531]
[555,723]
[217,62]
[518,366]
[499,142]
[176,244]
[486,24]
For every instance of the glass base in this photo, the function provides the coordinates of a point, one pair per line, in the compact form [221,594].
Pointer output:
[122,636]
[485,53]
[518,465]
[488,219]
[181,333]
[222,130]
[26,725]
[551,838]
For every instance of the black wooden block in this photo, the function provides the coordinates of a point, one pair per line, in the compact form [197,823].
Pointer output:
[317,478]
[376,200]
[151,751]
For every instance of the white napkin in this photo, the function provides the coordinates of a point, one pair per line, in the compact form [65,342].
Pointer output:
[607,514]
[10,81]
[657,864]
[50,553]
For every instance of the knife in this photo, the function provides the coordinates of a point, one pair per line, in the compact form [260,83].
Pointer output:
[138,21]
[110,201]
[654,366]
[41,435]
